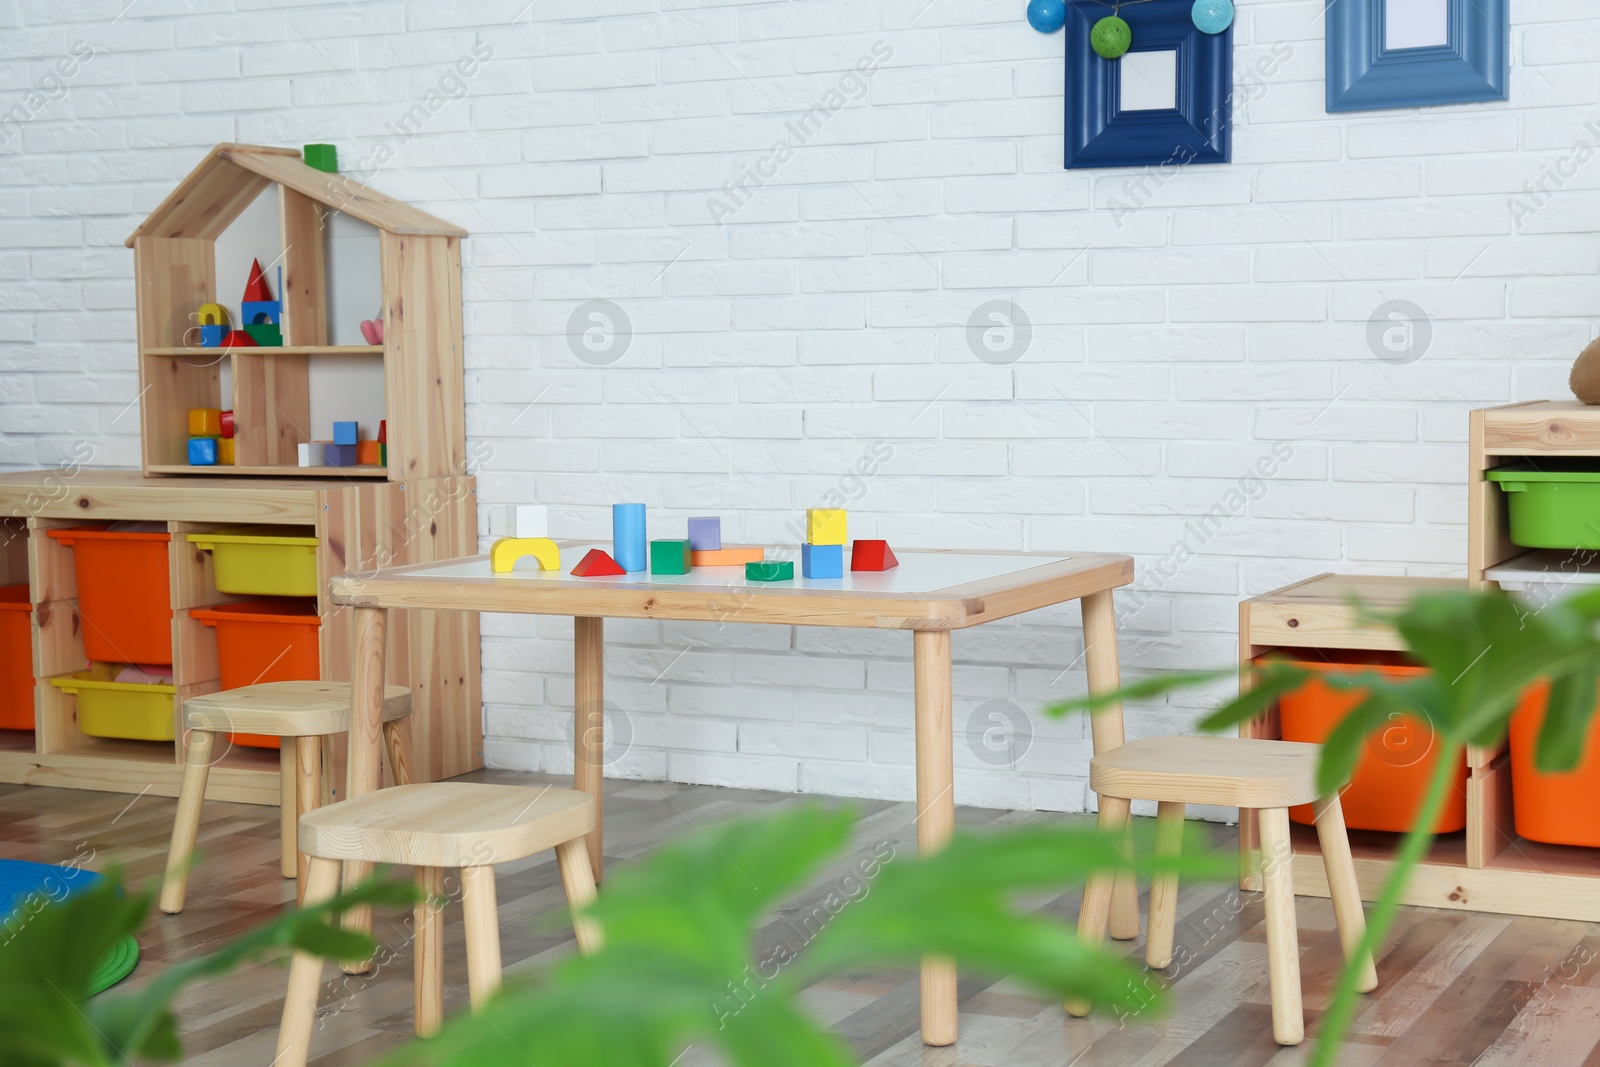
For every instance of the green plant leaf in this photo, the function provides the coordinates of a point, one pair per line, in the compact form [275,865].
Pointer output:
[1145,688]
[1272,682]
[1569,713]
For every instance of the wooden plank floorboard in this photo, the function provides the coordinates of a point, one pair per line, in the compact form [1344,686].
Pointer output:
[1454,988]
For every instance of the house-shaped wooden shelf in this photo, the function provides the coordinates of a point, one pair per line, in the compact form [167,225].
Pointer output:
[174,255]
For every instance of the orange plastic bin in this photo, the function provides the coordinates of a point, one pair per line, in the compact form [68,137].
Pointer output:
[1559,809]
[124,595]
[268,640]
[1387,788]
[16,658]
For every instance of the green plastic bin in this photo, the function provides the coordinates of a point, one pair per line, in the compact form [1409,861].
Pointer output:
[1554,503]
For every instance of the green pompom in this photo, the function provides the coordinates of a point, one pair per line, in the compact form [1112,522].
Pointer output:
[1110,37]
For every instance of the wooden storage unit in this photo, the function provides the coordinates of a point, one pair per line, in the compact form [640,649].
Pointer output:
[1486,867]
[361,526]
[421,357]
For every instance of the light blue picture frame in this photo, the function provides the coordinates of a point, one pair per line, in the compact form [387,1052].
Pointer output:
[1363,75]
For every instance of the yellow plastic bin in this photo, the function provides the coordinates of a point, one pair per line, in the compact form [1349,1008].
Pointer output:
[138,711]
[261,560]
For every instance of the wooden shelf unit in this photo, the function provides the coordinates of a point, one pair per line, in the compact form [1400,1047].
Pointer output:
[420,264]
[360,526]
[1486,867]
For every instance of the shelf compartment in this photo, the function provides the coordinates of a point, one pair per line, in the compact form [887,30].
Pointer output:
[286,350]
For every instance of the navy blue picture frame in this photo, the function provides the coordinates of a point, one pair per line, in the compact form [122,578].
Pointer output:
[1101,134]
[1363,75]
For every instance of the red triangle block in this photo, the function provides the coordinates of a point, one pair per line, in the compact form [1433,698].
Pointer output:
[595,563]
[238,339]
[256,288]
[872,556]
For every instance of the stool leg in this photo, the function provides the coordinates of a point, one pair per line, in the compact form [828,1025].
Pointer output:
[1283,938]
[288,807]
[308,789]
[396,738]
[482,920]
[1095,913]
[1164,888]
[577,878]
[428,921]
[305,975]
[186,827]
[1342,887]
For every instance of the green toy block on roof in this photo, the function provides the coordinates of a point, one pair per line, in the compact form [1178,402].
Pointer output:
[669,556]
[322,157]
[769,570]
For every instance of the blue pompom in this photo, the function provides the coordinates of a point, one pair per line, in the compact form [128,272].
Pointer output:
[1212,16]
[1047,16]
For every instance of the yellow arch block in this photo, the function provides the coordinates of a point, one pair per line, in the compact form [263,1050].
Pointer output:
[213,315]
[504,553]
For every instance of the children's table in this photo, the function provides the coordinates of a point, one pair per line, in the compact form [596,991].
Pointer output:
[930,593]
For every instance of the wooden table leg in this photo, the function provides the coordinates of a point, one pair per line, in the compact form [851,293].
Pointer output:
[1105,676]
[589,725]
[365,759]
[936,810]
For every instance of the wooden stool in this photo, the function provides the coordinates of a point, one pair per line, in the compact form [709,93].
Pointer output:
[1268,776]
[301,714]
[467,825]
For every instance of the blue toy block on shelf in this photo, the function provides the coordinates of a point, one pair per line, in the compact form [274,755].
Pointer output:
[705,533]
[344,433]
[628,537]
[822,561]
[336,455]
[211,335]
[202,451]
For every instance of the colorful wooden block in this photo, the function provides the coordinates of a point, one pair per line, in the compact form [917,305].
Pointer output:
[345,433]
[770,570]
[705,533]
[628,545]
[264,334]
[202,451]
[311,454]
[872,556]
[369,453]
[229,428]
[225,451]
[213,336]
[669,555]
[383,431]
[825,526]
[205,422]
[237,339]
[822,561]
[504,553]
[323,157]
[212,315]
[730,556]
[596,563]
[336,455]
[383,454]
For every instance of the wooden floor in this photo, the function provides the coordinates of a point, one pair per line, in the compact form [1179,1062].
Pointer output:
[1455,988]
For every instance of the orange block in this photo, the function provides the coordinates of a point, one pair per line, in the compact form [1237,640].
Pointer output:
[727,556]
[369,453]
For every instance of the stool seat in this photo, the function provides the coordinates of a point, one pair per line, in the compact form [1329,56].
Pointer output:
[286,709]
[447,824]
[1231,772]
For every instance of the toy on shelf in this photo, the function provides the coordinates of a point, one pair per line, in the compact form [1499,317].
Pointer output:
[383,442]
[225,452]
[504,553]
[237,339]
[336,455]
[369,454]
[213,319]
[310,454]
[202,451]
[229,427]
[323,157]
[596,563]
[822,561]
[210,437]
[705,533]
[769,570]
[205,422]
[825,526]
[729,556]
[669,556]
[628,536]
[872,556]
[258,305]
[345,433]
[372,329]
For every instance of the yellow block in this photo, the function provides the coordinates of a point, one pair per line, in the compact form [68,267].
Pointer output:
[825,526]
[225,451]
[212,315]
[205,422]
[504,553]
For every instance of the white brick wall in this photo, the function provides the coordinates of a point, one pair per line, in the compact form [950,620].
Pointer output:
[810,333]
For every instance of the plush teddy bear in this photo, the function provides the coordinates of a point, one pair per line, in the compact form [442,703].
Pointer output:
[1585,380]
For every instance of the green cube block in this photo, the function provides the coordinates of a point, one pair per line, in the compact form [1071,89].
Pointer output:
[669,556]
[264,334]
[321,157]
[769,570]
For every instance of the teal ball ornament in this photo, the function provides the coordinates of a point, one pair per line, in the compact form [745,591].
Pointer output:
[1212,16]
[1047,16]
[1111,37]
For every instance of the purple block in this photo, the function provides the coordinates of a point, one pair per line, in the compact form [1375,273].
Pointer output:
[705,533]
[335,455]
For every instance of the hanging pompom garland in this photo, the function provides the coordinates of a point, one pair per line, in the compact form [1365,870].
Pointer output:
[1111,37]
